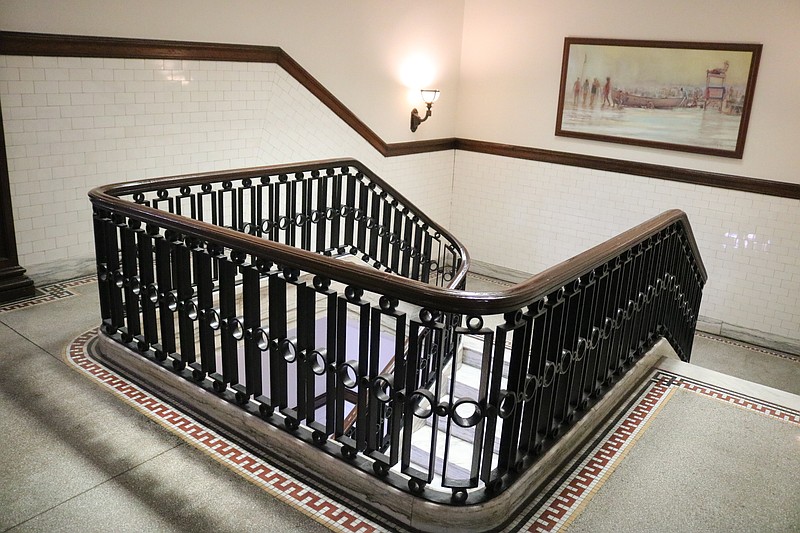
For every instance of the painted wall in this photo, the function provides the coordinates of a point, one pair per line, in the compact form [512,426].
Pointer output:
[369,55]
[75,123]
[511,67]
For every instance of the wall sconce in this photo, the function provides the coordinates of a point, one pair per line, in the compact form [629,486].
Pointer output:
[429,96]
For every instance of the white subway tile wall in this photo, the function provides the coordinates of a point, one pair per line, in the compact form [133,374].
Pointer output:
[74,123]
[529,216]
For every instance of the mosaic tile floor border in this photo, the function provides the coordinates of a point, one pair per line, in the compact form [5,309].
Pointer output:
[49,293]
[568,493]
[334,514]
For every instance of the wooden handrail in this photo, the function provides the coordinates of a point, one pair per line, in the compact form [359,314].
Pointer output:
[423,294]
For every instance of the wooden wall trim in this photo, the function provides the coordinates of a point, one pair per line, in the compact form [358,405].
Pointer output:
[649,170]
[16,43]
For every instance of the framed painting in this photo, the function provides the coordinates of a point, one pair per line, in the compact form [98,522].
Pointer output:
[687,96]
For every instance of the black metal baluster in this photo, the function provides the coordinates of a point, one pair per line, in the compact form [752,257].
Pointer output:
[385,231]
[537,316]
[349,209]
[553,347]
[115,274]
[620,279]
[584,351]
[361,216]
[405,245]
[336,210]
[130,280]
[277,331]
[497,399]
[149,296]
[209,317]
[397,237]
[562,409]
[101,221]
[609,323]
[255,339]
[168,300]
[187,308]
[227,313]
[512,411]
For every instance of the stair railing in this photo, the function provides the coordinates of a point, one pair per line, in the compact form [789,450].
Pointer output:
[243,281]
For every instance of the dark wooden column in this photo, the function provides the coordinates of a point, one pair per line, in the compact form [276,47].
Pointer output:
[14,284]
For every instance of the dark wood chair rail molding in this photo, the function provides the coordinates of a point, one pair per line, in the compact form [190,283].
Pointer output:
[38,44]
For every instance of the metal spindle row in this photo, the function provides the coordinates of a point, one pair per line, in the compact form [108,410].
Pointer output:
[337,363]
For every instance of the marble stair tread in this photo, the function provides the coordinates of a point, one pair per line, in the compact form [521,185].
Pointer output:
[459,457]
[473,353]
[466,435]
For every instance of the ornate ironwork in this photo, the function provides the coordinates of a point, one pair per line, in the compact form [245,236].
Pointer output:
[244,282]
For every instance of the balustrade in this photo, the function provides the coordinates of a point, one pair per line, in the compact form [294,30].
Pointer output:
[318,298]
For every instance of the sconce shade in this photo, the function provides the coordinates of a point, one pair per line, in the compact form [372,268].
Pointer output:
[429,96]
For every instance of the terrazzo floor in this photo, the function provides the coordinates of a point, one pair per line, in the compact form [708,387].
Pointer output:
[694,451]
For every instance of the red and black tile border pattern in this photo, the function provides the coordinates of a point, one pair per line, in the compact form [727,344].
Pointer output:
[554,508]
[49,293]
[337,515]
[564,498]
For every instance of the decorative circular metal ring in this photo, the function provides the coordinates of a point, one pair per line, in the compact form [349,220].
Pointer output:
[529,388]
[417,398]
[236,327]
[330,213]
[426,315]
[474,323]
[470,418]
[284,222]
[580,349]
[549,374]
[190,308]
[171,299]
[388,304]
[212,318]
[319,361]
[135,285]
[261,338]
[382,386]
[358,214]
[506,404]
[316,216]
[119,278]
[353,294]
[348,373]
[288,349]
[321,283]
[565,362]
[152,293]
[608,326]
[299,219]
[595,337]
